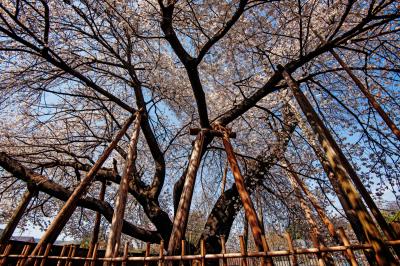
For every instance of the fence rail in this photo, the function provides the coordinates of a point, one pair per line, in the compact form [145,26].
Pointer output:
[73,255]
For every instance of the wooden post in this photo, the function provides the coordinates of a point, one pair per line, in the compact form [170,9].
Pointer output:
[202,252]
[114,235]
[182,252]
[313,200]
[161,259]
[96,228]
[224,260]
[125,257]
[346,243]
[314,239]
[147,253]
[263,259]
[69,207]
[94,256]
[6,252]
[243,251]
[182,213]
[343,198]
[37,260]
[293,257]
[371,99]
[244,195]
[60,261]
[69,263]
[223,181]
[332,150]
[387,230]
[46,253]
[17,215]
[24,254]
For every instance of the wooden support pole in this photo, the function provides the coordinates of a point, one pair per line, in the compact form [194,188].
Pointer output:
[371,99]
[313,200]
[346,243]
[244,195]
[332,150]
[215,133]
[223,246]
[17,215]
[182,213]
[387,230]
[293,258]
[69,207]
[114,235]
[343,198]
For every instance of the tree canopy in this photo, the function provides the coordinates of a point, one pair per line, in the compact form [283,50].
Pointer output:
[73,71]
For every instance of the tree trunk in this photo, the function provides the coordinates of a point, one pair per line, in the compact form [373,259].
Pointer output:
[17,215]
[382,252]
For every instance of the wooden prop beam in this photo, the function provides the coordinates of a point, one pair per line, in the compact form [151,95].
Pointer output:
[182,213]
[244,195]
[17,215]
[382,253]
[119,211]
[371,99]
[387,230]
[69,207]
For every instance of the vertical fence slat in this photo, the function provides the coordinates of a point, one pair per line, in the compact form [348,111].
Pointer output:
[72,255]
[46,253]
[6,252]
[346,243]
[293,257]
[161,262]
[202,251]
[94,256]
[147,254]
[37,260]
[224,260]
[125,257]
[243,251]
[60,262]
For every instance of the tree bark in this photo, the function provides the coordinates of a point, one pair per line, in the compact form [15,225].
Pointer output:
[382,253]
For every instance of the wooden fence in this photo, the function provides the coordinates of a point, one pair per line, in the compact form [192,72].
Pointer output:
[18,254]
